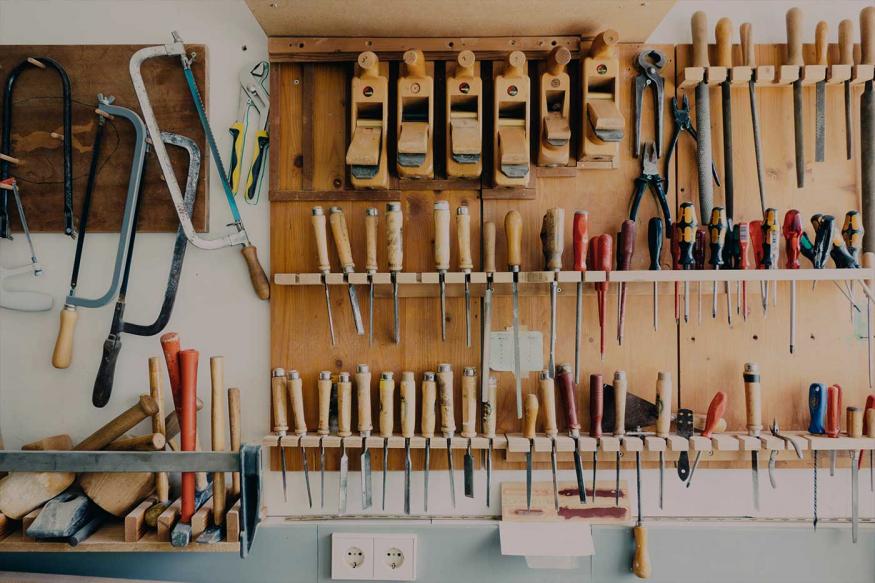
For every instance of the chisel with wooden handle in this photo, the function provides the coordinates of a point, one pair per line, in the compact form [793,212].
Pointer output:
[547,390]
[580,244]
[552,245]
[188,360]
[596,410]
[344,422]
[294,386]
[513,230]
[469,425]
[487,411]
[344,251]
[429,395]
[395,244]
[795,59]
[280,418]
[641,566]
[442,255]
[365,426]
[387,423]
[704,158]
[321,233]
[620,390]
[723,36]
[531,419]
[371,265]
[663,421]
[753,407]
[748,60]
[568,396]
[486,336]
[466,264]
[715,413]
[407,395]
[323,395]
[833,421]
[448,419]
[217,433]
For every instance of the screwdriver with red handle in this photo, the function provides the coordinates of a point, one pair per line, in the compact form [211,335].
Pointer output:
[686,228]
[715,414]
[603,255]
[833,422]
[626,242]
[580,243]
[756,241]
[792,231]
[743,263]
[699,265]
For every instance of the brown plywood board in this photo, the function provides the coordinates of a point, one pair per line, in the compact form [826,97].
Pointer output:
[93,69]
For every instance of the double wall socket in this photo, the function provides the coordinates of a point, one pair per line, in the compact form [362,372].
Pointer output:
[373,557]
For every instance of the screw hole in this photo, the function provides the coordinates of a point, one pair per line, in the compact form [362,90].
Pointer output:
[553,43]
[756,337]
[300,45]
[451,44]
[243,48]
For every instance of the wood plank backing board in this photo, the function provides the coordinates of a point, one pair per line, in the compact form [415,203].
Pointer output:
[93,69]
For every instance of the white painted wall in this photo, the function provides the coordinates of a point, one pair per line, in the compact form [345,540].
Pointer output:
[216,311]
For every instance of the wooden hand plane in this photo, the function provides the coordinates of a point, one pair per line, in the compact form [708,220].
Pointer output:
[603,124]
[464,128]
[511,124]
[555,98]
[369,118]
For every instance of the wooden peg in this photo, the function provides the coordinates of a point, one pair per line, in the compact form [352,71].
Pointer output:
[867,36]
[511,121]
[36,63]
[464,117]
[821,43]
[11,160]
[415,119]
[555,100]
[602,123]
[369,121]
[56,136]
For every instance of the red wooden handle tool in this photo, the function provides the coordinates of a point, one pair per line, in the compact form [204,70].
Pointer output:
[565,381]
[604,257]
[715,413]
[756,241]
[170,345]
[580,239]
[188,360]
[833,411]
[792,231]
[596,405]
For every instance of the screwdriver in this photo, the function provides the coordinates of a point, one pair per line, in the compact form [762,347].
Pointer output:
[513,227]
[620,389]
[548,397]
[756,241]
[699,265]
[852,234]
[469,425]
[641,562]
[280,417]
[869,431]
[387,422]
[466,264]
[580,242]
[663,420]
[407,394]
[686,227]
[371,264]
[743,247]
[655,233]
[568,395]
[603,253]
[675,265]
[448,419]
[344,425]
[626,242]
[323,390]
[753,399]
[817,410]
[855,431]
[552,246]
[529,422]
[770,246]
[341,241]
[442,255]
[715,414]
[717,228]
[487,412]
[596,410]
[792,231]
[489,268]
[429,394]
[395,244]
[294,386]
[833,425]
[319,230]
[365,426]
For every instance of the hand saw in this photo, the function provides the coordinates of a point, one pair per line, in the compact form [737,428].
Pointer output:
[16,299]
[254,102]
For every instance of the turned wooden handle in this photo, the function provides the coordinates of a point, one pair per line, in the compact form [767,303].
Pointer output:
[278,400]
[596,404]
[407,394]
[568,395]
[663,404]
[344,405]
[62,355]
[149,442]
[445,394]
[753,398]
[259,280]
[547,390]
[469,402]
[170,346]
[821,44]
[603,44]
[580,239]
[234,424]
[621,387]
[323,390]
[489,247]
[363,395]
[429,396]
[217,433]
[371,220]
[387,404]
[145,407]
[641,566]
[162,482]
[295,388]
[442,235]
[867,36]
[558,60]
[700,39]
[488,409]
[748,59]
[855,422]
[395,235]
[513,230]
[369,64]
[794,38]
[414,63]
[340,234]
[530,416]
[723,35]
[832,422]
[846,42]
[869,419]
[319,230]
[463,238]
[188,361]
[553,238]
[61,442]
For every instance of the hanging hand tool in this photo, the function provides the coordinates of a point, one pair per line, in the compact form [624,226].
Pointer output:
[464,117]
[675,250]
[387,423]
[846,57]
[596,410]
[776,432]
[704,158]
[188,360]
[395,244]
[821,45]
[486,333]
[568,396]
[655,235]
[743,246]
[254,96]
[699,247]
[448,420]
[855,431]
[344,425]
[365,426]
[723,36]
[663,421]
[371,265]
[756,241]
[466,263]
[340,234]
[770,249]
[753,400]
[650,63]
[603,255]
[817,409]
[18,299]
[683,123]
[407,394]
[531,419]
[280,418]
[792,233]
[626,244]
[869,431]
[833,423]
[469,425]
[294,386]
[580,243]
[552,246]
[715,413]
[319,230]
[323,392]
[487,412]
[748,60]
[686,228]
[867,128]
[852,235]
[684,424]
[795,59]
[429,394]
[717,228]
[620,391]
[513,231]
[548,397]
[650,178]
[442,255]
[641,563]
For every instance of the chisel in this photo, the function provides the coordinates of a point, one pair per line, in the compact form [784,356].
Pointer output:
[547,389]
[715,414]
[855,431]
[704,158]
[580,243]
[442,255]
[846,57]
[686,233]
[387,423]
[371,264]
[395,244]
[529,422]
[485,337]
[832,423]
[448,419]
[280,418]
[294,386]
[620,390]
[487,412]
[323,390]
[469,424]
[365,426]
[466,264]
[821,46]
[792,231]
[795,59]
[603,255]
[641,563]
[717,229]
[748,60]
[723,35]
[513,230]
[817,410]
[319,229]
[596,410]
[344,251]
[655,233]
[344,423]
[753,400]
[626,244]
[663,420]
[429,394]
[568,396]
[552,246]
[407,394]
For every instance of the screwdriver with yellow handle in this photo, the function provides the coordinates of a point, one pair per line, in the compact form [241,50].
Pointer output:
[717,228]
[641,566]
[686,237]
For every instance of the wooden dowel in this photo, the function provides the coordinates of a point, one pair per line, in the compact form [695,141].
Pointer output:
[35,63]
[11,159]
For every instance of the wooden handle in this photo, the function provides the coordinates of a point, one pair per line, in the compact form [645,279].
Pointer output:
[553,238]
[278,400]
[466,60]
[557,61]
[603,44]
[626,241]
[487,409]
[323,392]
[821,44]
[747,47]
[715,413]
[369,64]
[148,442]
[414,63]
[567,394]
[867,36]
[700,39]
[395,235]
[445,394]
[663,404]
[407,394]
[580,239]
[387,404]
[259,280]
[530,416]
[61,442]
[753,398]
[513,230]
[469,402]
[463,238]
[723,34]
[217,433]
[620,390]
[340,234]
[794,38]
[371,220]
[596,404]
[855,422]
[344,405]
[641,563]
[846,42]
[234,424]
[319,230]
[547,390]
[170,345]
[363,395]
[429,395]
[442,235]
[870,421]
[295,388]
[145,407]
[188,361]
[62,355]
[489,247]
[162,482]
[832,422]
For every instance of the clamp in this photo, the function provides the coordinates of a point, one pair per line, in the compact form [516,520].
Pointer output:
[254,96]
[650,62]
[650,177]
[683,123]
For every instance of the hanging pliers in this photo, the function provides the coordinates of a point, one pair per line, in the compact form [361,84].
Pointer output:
[650,63]
[254,102]
[650,177]
[683,123]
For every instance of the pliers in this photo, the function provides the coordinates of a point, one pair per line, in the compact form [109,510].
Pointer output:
[774,454]
[254,95]
[650,177]
[682,122]
[650,62]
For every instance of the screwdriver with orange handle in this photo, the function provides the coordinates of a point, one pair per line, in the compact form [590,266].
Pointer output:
[715,413]
[686,233]
[833,422]
[603,255]
[792,231]
[626,243]
[580,242]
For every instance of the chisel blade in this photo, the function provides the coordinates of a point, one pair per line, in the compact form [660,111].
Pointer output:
[484,344]
[595,465]
[306,475]
[617,482]
[489,473]
[370,309]
[468,310]
[755,475]
[321,474]
[799,133]
[385,470]
[443,294]
[407,476]
[328,307]
[855,496]
[819,120]
[397,324]
[450,471]
[356,310]
[469,472]
[283,468]
[578,330]
[529,477]
[425,465]
[554,290]
[553,465]
[578,473]
[661,477]
[516,348]
[344,480]
[367,488]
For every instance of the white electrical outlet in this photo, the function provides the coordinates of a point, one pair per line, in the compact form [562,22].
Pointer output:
[394,557]
[352,556]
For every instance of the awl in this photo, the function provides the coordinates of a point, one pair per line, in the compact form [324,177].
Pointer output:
[552,246]
[596,410]
[442,255]
[469,424]
[485,336]
[429,395]
[620,391]
[344,423]
[387,423]
[580,243]
[321,233]
[371,265]
[466,264]
[323,389]
[407,394]
[395,244]
[280,418]
[568,395]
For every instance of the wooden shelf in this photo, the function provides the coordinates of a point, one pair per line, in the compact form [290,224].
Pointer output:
[775,76]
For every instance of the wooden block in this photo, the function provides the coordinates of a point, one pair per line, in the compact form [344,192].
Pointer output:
[414,137]
[604,115]
[232,523]
[117,493]
[135,521]
[168,519]
[723,442]
[513,146]
[699,443]
[677,443]
[466,136]
[749,443]
[364,150]
[633,444]
[202,519]
[655,443]
[771,442]
[61,442]
[608,443]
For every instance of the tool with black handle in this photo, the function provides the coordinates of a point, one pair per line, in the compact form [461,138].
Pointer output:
[466,264]
[817,410]
[753,401]
[596,410]
[320,231]
[846,57]
[699,247]
[723,35]
[580,244]
[442,255]
[684,423]
[715,413]
[429,395]
[487,412]
[717,228]
[743,263]
[448,420]
[531,419]
[365,426]
[407,394]
[280,418]
[395,244]
[568,397]
[686,235]
[294,385]
[371,265]
[792,231]
[387,423]
[547,390]
[486,335]
[513,231]
[469,425]
[655,234]
[663,421]
[552,245]
[867,125]
[344,252]
[626,244]
[620,391]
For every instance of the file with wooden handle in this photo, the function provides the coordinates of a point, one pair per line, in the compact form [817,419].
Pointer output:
[407,395]
[429,396]
[547,390]
[387,423]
